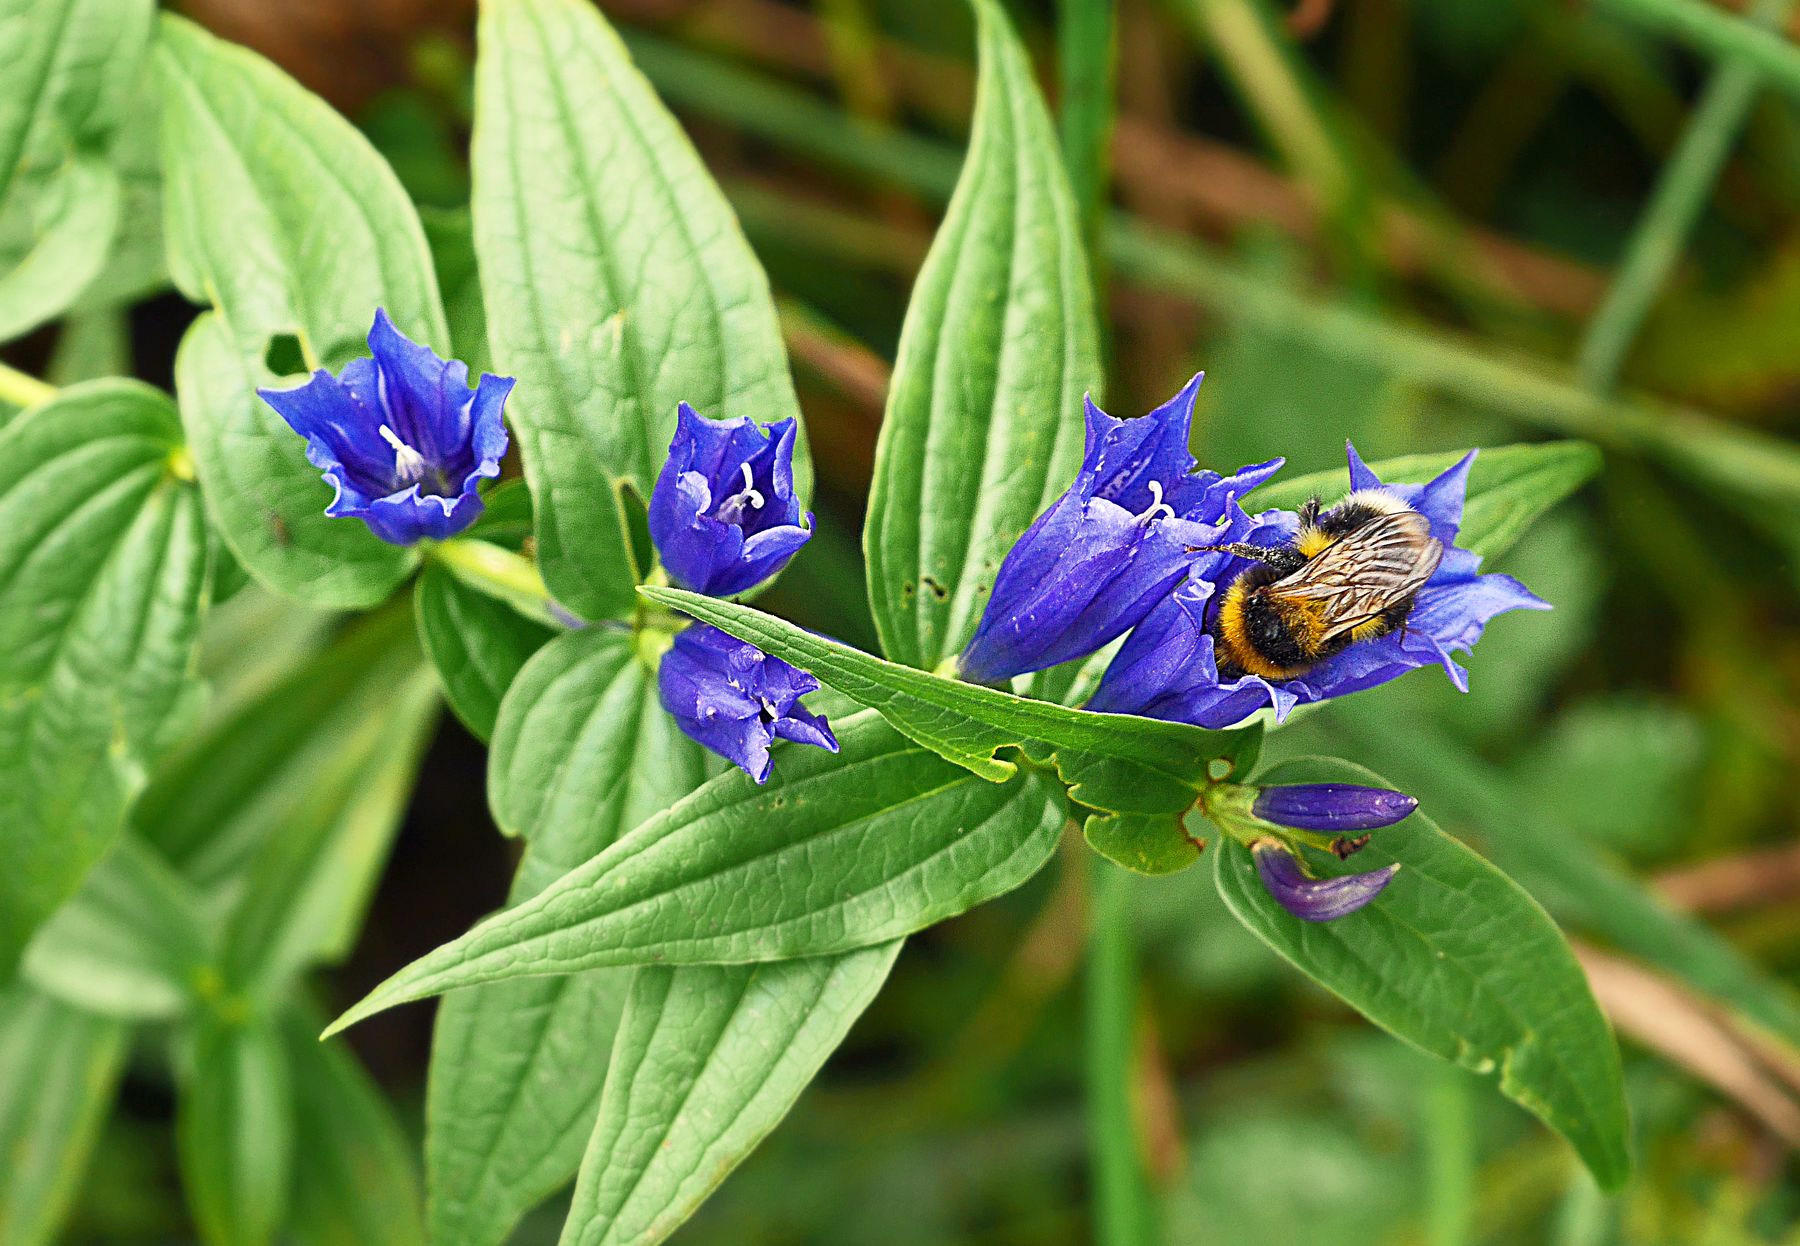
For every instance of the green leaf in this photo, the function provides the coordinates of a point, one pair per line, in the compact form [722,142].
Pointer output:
[103,554]
[132,943]
[304,895]
[1116,763]
[354,1178]
[136,264]
[477,643]
[617,281]
[708,1060]
[71,66]
[1530,833]
[984,420]
[1455,958]
[1509,487]
[54,241]
[280,757]
[234,1132]
[583,752]
[731,873]
[64,1066]
[284,219]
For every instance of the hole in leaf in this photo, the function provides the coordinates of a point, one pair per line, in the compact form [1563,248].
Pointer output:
[283,356]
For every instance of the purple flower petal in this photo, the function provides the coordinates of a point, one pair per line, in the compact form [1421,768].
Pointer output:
[1316,899]
[1332,806]
[736,700]
[723,515]
[1111,547]
[400,436]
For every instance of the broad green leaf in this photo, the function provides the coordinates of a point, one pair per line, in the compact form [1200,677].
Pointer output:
[70,69]
[280,214]
[583,753]
[304,895]
[354,1178]
[1509,487]
[132,943]
[54,241]
[63,1065]
[617,283]
[1115,763]
[103,554]
[214,804]
[732,873]
[234,1132]
[1529,834]
[136,264]
[984,420]
[477,643]
[1455,958]
[708,1060]
[283,219]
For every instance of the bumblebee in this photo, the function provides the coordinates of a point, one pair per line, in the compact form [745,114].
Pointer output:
[1351,573]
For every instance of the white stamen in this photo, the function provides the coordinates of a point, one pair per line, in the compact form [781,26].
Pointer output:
[732,508]
[768,707]
[1156,504]
[748,492]
[409,464]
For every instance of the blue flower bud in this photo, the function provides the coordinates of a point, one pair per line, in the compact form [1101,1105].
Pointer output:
[1111,547]
[1333,807]
[1315,899]
[723,514]
[736,700]
[400,436]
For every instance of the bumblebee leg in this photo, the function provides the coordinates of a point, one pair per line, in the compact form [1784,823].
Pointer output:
[1309,512]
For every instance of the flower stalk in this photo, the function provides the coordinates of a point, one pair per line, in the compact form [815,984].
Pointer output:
[22,389]
[501,574]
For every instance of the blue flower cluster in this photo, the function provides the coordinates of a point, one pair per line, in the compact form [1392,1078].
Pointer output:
[404,441]
[1141,545]
[724,518]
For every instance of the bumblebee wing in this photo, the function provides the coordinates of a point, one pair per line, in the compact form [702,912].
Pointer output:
[1376,566]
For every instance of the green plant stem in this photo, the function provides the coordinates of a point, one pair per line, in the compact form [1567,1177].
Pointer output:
[1449,1158]
[1681,194]
[1087,64]
[501,574]
[1122,1215]
[1718,32]
[22,389]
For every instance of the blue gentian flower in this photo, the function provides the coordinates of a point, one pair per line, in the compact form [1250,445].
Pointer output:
[736,700]
[401,436]
[723,514]
[1166,668]
[1332,807]
[1315,899]
[1111,547]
